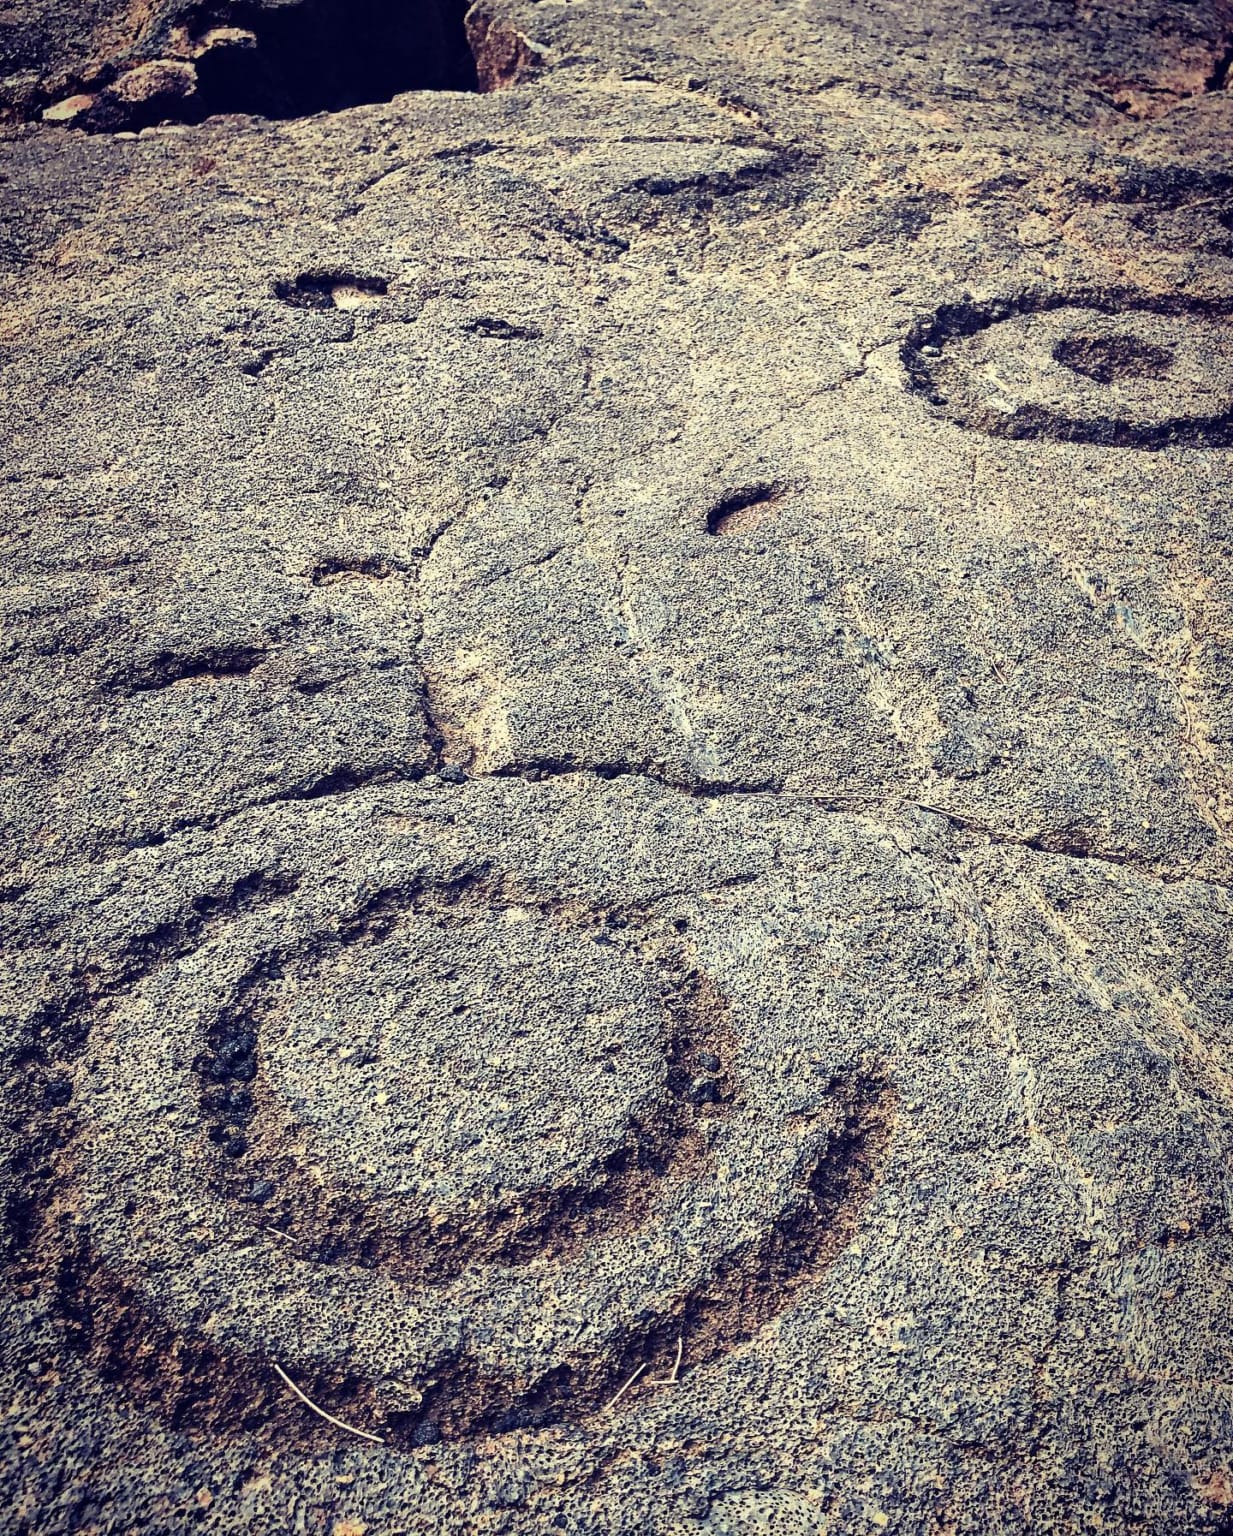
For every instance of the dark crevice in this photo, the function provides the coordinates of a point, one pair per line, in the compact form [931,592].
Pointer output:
[327,55]
[348,779]
[704,789]
[1218,80]
[273,58]
[344,780]
[1067,843]
[340,781]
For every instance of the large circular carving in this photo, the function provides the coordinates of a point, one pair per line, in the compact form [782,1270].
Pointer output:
[456,1161]
[1124,370]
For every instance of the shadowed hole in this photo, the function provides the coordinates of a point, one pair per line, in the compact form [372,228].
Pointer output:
[207,663]
[194,59]
[329,288]
[744,510]
[325,55]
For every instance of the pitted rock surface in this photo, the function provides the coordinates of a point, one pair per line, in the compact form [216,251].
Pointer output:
[617,795]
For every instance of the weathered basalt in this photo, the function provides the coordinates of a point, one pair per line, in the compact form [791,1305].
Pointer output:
[616,821]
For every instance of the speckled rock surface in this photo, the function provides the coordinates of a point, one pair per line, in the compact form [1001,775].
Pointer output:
[616,810]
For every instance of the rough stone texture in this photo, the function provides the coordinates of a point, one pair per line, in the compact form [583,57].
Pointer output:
[618,717]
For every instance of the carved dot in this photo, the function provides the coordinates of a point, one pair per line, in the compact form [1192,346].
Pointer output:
[1109,358]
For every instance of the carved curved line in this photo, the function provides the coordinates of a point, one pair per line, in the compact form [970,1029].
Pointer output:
[198,1386]
[337,1224]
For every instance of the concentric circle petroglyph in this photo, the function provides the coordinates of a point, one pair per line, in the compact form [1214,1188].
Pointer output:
[1124,370]
[619,756]
[450,1117]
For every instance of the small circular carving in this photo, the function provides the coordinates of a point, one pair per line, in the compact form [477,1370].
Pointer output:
[1126,370]
[425,1075]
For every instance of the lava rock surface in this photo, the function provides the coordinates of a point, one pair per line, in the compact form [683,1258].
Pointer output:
[617,794]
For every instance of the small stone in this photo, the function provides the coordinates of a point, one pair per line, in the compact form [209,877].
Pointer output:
[228,37]
[69,109]
[708,1061]
[164,80]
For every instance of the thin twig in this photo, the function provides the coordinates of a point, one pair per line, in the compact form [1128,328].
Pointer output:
[955,816]
[328,1417]
[671,1381]
[614,1401]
